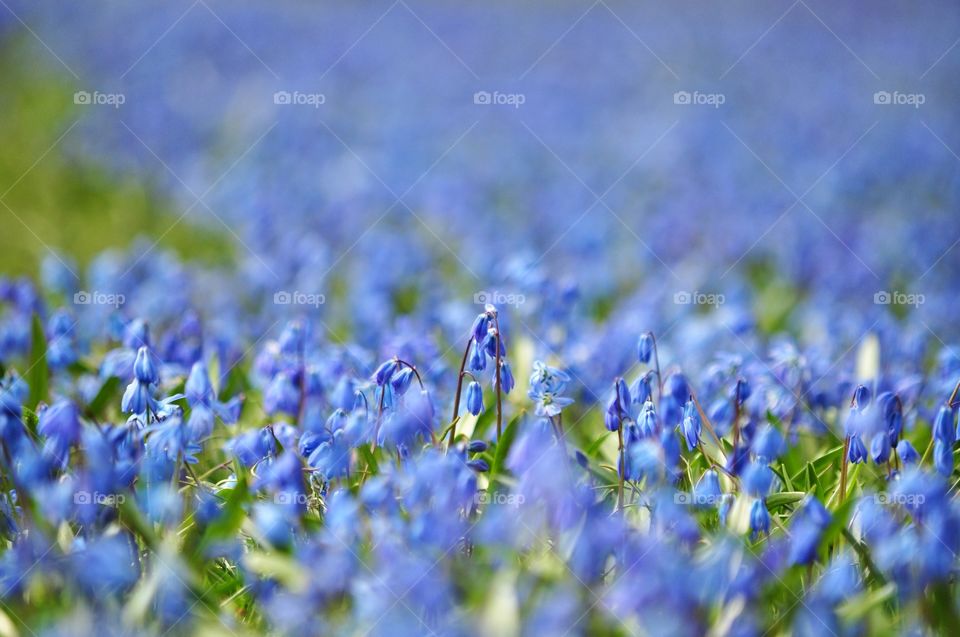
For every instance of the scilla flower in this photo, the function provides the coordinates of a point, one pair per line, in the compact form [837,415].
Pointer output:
[707,491]
[768,443]
[204,404]
[548,378]
[647,422]
[906,452]
[385,372]
[943,457]
[757,479]
[474,398]
[645,347]
[880,447]
[858,451]
[807,527]
[691,425]
[506,377]
[138,397]
[60,425]
[759,518]
[943,426]
[549,404]
[617,406]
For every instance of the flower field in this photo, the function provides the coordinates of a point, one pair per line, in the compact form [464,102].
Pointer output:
[413,318]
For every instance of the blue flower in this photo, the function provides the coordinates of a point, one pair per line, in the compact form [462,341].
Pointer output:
[708,492]
[506,377]
[944,428]
[618,405]
[645,347]
[474,398]
[807,526]
[861,398]
[943,457]
[857,451]
[768,443]
[478,360]
[757,479]
[281,396]
[759,518]
[691,425]
[60,424]
[385,371]
[144,369]
[548,378]
[880,447]
[906,452]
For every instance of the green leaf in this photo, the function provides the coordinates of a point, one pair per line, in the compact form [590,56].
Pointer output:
[504,444]
[596,444]
[372,466]
[861,605]
[784,498]
[231,517]
[106,395]
[38,375]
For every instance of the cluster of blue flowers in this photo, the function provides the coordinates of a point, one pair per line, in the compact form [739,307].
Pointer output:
[444,387]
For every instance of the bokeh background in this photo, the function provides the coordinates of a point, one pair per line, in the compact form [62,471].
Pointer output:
[814,168]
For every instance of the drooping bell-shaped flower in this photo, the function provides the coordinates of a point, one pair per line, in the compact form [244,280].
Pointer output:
[144,369]
[759,518]
[474,398]
[645,347]
[757,479]
[857,452]
[691,425]
[385,372]
[907,453]
[944,428]
[768,443]
[707,491]
[880,447]
[943,457]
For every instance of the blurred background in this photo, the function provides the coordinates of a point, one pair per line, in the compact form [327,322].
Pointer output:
[787,158]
